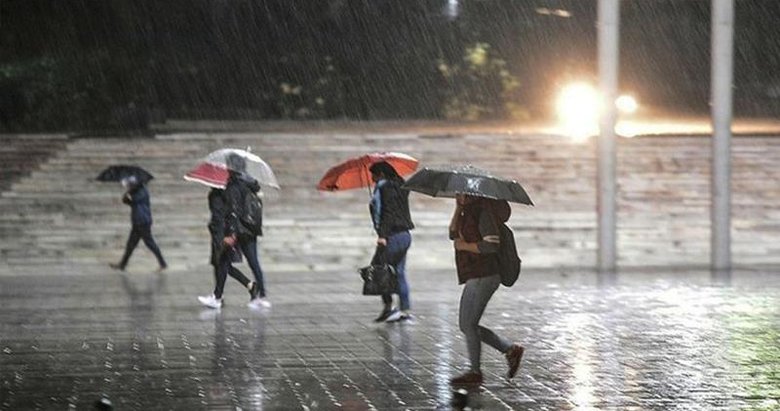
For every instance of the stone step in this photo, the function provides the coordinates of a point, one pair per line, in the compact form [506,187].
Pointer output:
[663,199]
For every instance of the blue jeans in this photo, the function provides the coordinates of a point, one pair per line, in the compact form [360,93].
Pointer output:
[248,247]
[397,246]
[476,295]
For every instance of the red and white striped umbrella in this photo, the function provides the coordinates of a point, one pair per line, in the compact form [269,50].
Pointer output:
[212,175]
[214,170]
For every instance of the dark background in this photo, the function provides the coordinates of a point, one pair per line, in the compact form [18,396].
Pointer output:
[96,64]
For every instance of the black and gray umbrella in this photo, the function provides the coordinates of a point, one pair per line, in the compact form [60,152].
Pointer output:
[121,172]
[467,180]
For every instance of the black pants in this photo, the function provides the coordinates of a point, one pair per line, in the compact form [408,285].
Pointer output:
[222,270]
[142,232]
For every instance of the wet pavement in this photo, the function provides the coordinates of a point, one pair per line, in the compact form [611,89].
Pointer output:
[628,341]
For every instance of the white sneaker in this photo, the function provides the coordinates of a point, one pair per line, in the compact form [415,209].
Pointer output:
[394,316]
[210,301]
[259,302]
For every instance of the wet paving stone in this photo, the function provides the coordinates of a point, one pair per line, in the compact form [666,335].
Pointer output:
[628,341]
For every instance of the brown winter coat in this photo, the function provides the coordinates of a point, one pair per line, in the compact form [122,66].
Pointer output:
[478,220]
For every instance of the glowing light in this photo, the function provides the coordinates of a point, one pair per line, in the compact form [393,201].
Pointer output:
[578,110]
[628,129]
[578,107]
[626,104]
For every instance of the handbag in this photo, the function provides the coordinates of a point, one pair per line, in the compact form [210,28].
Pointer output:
[379,278]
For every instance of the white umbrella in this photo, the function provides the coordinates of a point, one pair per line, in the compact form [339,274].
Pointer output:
[213,171]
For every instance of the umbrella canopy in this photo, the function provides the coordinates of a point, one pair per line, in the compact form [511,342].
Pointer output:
[214,170]
[468,180]
[120,172]
[354,173]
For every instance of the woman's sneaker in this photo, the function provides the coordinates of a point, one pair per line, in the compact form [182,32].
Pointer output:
[397,316]
[259,302]
[394,316]
[513,357]
[254,291]
[210,301]
[383,315]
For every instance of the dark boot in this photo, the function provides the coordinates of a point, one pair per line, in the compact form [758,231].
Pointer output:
[469,378]
[513,357]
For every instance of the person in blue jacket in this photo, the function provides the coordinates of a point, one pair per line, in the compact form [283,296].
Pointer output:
[137,198]
[389,209]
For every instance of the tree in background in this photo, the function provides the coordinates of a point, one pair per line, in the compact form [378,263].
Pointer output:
[480,87]
[96,64]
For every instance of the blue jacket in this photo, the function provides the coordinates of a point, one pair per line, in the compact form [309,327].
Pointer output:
[138,200]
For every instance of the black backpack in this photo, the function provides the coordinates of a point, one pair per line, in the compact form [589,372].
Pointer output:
[251,218]
[508,261]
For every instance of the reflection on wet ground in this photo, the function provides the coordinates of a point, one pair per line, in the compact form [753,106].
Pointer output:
[640,340]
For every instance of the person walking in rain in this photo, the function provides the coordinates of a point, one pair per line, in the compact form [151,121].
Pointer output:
[239,186]
[137,197]
[223,249]
[389,208]
[475,231]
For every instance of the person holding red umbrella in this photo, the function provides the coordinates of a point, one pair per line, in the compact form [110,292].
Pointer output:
[390,215]
[392,220]
[236,177]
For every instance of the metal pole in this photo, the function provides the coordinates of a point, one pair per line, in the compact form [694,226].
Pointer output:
[608,54]
[721,100]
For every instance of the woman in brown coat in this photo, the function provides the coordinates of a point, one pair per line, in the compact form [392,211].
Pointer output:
[474,230]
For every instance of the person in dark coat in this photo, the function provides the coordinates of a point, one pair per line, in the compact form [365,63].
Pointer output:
[239,186]
[474,230]
[392,222]
[223,250]
[137,197]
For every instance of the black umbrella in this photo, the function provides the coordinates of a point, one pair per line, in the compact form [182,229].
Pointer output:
[121,172]
[466,180]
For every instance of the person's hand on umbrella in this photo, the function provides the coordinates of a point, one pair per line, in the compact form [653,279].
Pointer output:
[381,241]
[230,240]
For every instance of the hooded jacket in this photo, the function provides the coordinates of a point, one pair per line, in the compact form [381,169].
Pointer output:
[479,220]
[239,185]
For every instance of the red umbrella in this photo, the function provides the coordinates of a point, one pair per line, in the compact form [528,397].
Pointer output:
[354,172]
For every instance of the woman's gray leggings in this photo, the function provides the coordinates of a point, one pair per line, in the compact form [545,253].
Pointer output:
[475,297]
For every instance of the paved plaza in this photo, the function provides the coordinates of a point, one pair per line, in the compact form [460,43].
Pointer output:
[652,337]
[629,341]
